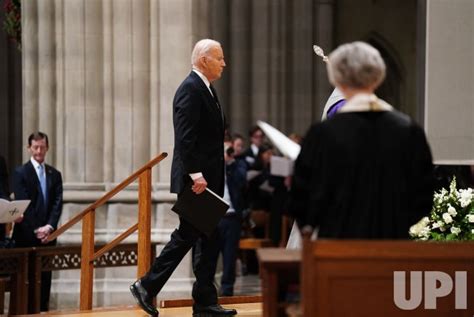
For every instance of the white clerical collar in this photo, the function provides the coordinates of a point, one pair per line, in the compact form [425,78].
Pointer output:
[204,79]
[335,97]
[365,102]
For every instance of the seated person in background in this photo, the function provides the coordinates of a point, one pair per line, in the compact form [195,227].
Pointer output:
[229,226]
[367,173]
[238,144]
[267,193]
[259,189]
[256,141]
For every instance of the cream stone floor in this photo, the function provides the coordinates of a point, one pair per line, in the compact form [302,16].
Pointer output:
[244,285]
[249,310]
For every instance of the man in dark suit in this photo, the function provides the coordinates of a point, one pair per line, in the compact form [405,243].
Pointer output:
[198,161]
[3,192]
[250,155]
[43,185]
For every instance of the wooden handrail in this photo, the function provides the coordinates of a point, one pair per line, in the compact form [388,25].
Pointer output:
[88,254]
[112,244]
[106,197]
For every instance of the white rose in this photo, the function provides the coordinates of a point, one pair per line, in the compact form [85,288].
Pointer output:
[465,197]
[425,221]
[455,230]
[447,218]
[452,211]
[420,228]
[470,218]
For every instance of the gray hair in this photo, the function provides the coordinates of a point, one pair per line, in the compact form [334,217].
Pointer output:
[356,65]
[201,49]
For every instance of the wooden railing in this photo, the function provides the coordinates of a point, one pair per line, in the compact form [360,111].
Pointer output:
[88,253]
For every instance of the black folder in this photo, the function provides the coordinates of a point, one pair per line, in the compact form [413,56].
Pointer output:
[203,211]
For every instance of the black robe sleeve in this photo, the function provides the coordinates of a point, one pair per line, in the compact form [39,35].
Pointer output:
[306,192]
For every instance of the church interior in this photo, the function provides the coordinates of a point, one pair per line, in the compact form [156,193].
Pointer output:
[99,78]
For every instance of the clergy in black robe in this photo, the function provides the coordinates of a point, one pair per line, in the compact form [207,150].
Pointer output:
[367,172]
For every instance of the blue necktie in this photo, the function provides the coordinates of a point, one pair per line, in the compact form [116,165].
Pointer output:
[42,179]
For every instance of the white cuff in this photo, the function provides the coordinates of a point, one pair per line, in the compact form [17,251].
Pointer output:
[195,176]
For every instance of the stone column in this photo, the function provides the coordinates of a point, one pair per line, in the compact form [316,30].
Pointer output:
[449,98]
[238,59]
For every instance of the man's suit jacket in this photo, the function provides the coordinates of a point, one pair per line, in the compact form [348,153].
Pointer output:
[3,190]
[198,136]
[26,185]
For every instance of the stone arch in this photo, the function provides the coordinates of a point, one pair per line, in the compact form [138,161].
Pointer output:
[393,88]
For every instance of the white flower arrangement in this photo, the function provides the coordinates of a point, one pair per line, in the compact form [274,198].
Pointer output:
[451,218]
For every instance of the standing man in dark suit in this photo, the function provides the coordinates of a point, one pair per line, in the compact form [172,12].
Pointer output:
[43,185]
[4,192]
[198,161]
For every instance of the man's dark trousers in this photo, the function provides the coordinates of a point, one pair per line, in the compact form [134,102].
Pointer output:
[182,240]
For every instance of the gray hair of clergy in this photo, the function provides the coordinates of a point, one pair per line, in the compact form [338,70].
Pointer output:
[356,65]
[201,49]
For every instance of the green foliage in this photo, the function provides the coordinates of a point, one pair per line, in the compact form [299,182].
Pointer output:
[12,22]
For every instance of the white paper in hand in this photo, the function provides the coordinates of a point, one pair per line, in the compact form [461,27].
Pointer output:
[281,166]
[12,210]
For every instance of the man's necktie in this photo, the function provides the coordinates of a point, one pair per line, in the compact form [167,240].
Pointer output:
[214,95]
[42,179]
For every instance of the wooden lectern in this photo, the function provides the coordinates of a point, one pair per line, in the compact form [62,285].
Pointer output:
[356,278]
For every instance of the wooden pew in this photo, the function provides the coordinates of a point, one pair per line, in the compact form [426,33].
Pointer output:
[279,270]
[356,278]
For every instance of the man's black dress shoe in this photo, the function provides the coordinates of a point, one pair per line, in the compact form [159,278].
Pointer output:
[143,299]
[212,311]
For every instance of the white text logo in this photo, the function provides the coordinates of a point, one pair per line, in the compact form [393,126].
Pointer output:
[436,284]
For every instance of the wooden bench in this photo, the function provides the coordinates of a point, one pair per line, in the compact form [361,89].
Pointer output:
[279,269]
[356,278]
[14,262]
[254,243]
